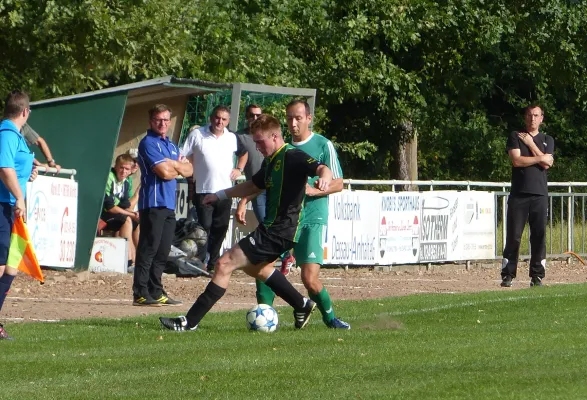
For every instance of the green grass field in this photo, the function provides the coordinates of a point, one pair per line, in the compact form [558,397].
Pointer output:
[507,344]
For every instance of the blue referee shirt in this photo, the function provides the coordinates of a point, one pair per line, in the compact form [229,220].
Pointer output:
[155,191]
[15,154]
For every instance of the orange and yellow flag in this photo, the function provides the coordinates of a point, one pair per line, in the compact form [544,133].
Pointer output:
[21,254]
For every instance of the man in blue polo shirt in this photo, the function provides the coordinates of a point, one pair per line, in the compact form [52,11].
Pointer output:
[160,163]
[16,168]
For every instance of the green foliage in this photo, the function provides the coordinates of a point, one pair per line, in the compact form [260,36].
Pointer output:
[458,71]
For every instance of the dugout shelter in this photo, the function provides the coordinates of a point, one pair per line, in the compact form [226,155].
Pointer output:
[87,131]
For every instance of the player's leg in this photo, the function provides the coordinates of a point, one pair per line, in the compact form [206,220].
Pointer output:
[537,219]
[263,293]
[517,215]
[218,229]
[7,274]
[262,249]
[310,253]
[230,261]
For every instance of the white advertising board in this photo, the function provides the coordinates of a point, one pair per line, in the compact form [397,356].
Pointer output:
[409,227]
[352,237]
[52,220]
[477,227]
[109,255]
[399,228]
[439,225]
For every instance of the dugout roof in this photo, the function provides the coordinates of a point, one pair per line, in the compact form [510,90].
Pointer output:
[83,131]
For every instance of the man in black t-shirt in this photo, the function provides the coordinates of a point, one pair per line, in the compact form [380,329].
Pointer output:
[531,155]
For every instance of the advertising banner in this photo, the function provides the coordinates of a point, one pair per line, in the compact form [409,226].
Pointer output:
[351,236]
[52,219]
[409,227]
[399,228]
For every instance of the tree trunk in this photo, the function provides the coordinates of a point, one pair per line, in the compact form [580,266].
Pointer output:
[404,156]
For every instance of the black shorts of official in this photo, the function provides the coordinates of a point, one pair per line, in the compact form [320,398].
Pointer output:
[115,221]
[261,246]
[6,222]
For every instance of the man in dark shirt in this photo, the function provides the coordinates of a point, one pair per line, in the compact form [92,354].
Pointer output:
[283,175]
[531,155]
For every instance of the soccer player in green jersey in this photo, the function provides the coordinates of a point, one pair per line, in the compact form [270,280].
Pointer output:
[309,250]
[284,176]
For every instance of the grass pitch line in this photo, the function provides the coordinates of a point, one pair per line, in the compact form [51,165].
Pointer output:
[69,300]
[474,303]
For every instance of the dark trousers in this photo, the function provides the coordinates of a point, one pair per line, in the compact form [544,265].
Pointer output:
[155,238]
[214,218]
[522,208]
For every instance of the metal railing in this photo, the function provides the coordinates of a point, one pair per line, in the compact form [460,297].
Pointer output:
[62,171]
[566,229]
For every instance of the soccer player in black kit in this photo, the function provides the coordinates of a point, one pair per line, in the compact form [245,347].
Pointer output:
[531,155]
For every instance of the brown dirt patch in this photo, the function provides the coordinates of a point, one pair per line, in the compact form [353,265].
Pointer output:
[68,295]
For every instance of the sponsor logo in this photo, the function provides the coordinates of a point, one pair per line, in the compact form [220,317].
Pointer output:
[252,241]
[277,166]
[312,255]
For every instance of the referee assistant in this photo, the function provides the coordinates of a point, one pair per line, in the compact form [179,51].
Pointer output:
[531,155]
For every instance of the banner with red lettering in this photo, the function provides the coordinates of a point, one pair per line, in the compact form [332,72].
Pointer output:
[52,219]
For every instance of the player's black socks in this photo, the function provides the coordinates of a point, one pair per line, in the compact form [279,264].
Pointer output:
[204,303]
[284,289]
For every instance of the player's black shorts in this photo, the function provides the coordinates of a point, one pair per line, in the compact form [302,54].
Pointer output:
[262,246]
[115,221]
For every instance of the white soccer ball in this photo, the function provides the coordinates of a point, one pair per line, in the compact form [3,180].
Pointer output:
[262,318]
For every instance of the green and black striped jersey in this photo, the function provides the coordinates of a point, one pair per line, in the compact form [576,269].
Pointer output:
[284,176]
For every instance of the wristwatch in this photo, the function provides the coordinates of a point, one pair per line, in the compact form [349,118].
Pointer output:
[240,169]
[51,161]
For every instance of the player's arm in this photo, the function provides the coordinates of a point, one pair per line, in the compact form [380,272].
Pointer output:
[241,190]
[324,178]
[332,162]
[335,186]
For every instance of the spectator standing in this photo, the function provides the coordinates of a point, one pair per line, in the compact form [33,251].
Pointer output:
[160,163]
[531,155]
[211,151]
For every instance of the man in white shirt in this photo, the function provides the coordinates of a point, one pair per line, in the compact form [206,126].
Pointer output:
[211,151]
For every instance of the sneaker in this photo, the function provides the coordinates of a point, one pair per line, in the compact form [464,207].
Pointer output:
[179,324]
[336,323]
[287,264]
[536,281]
[4,334]
[168,301]
[303,316]
[146,301]
[506,282]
